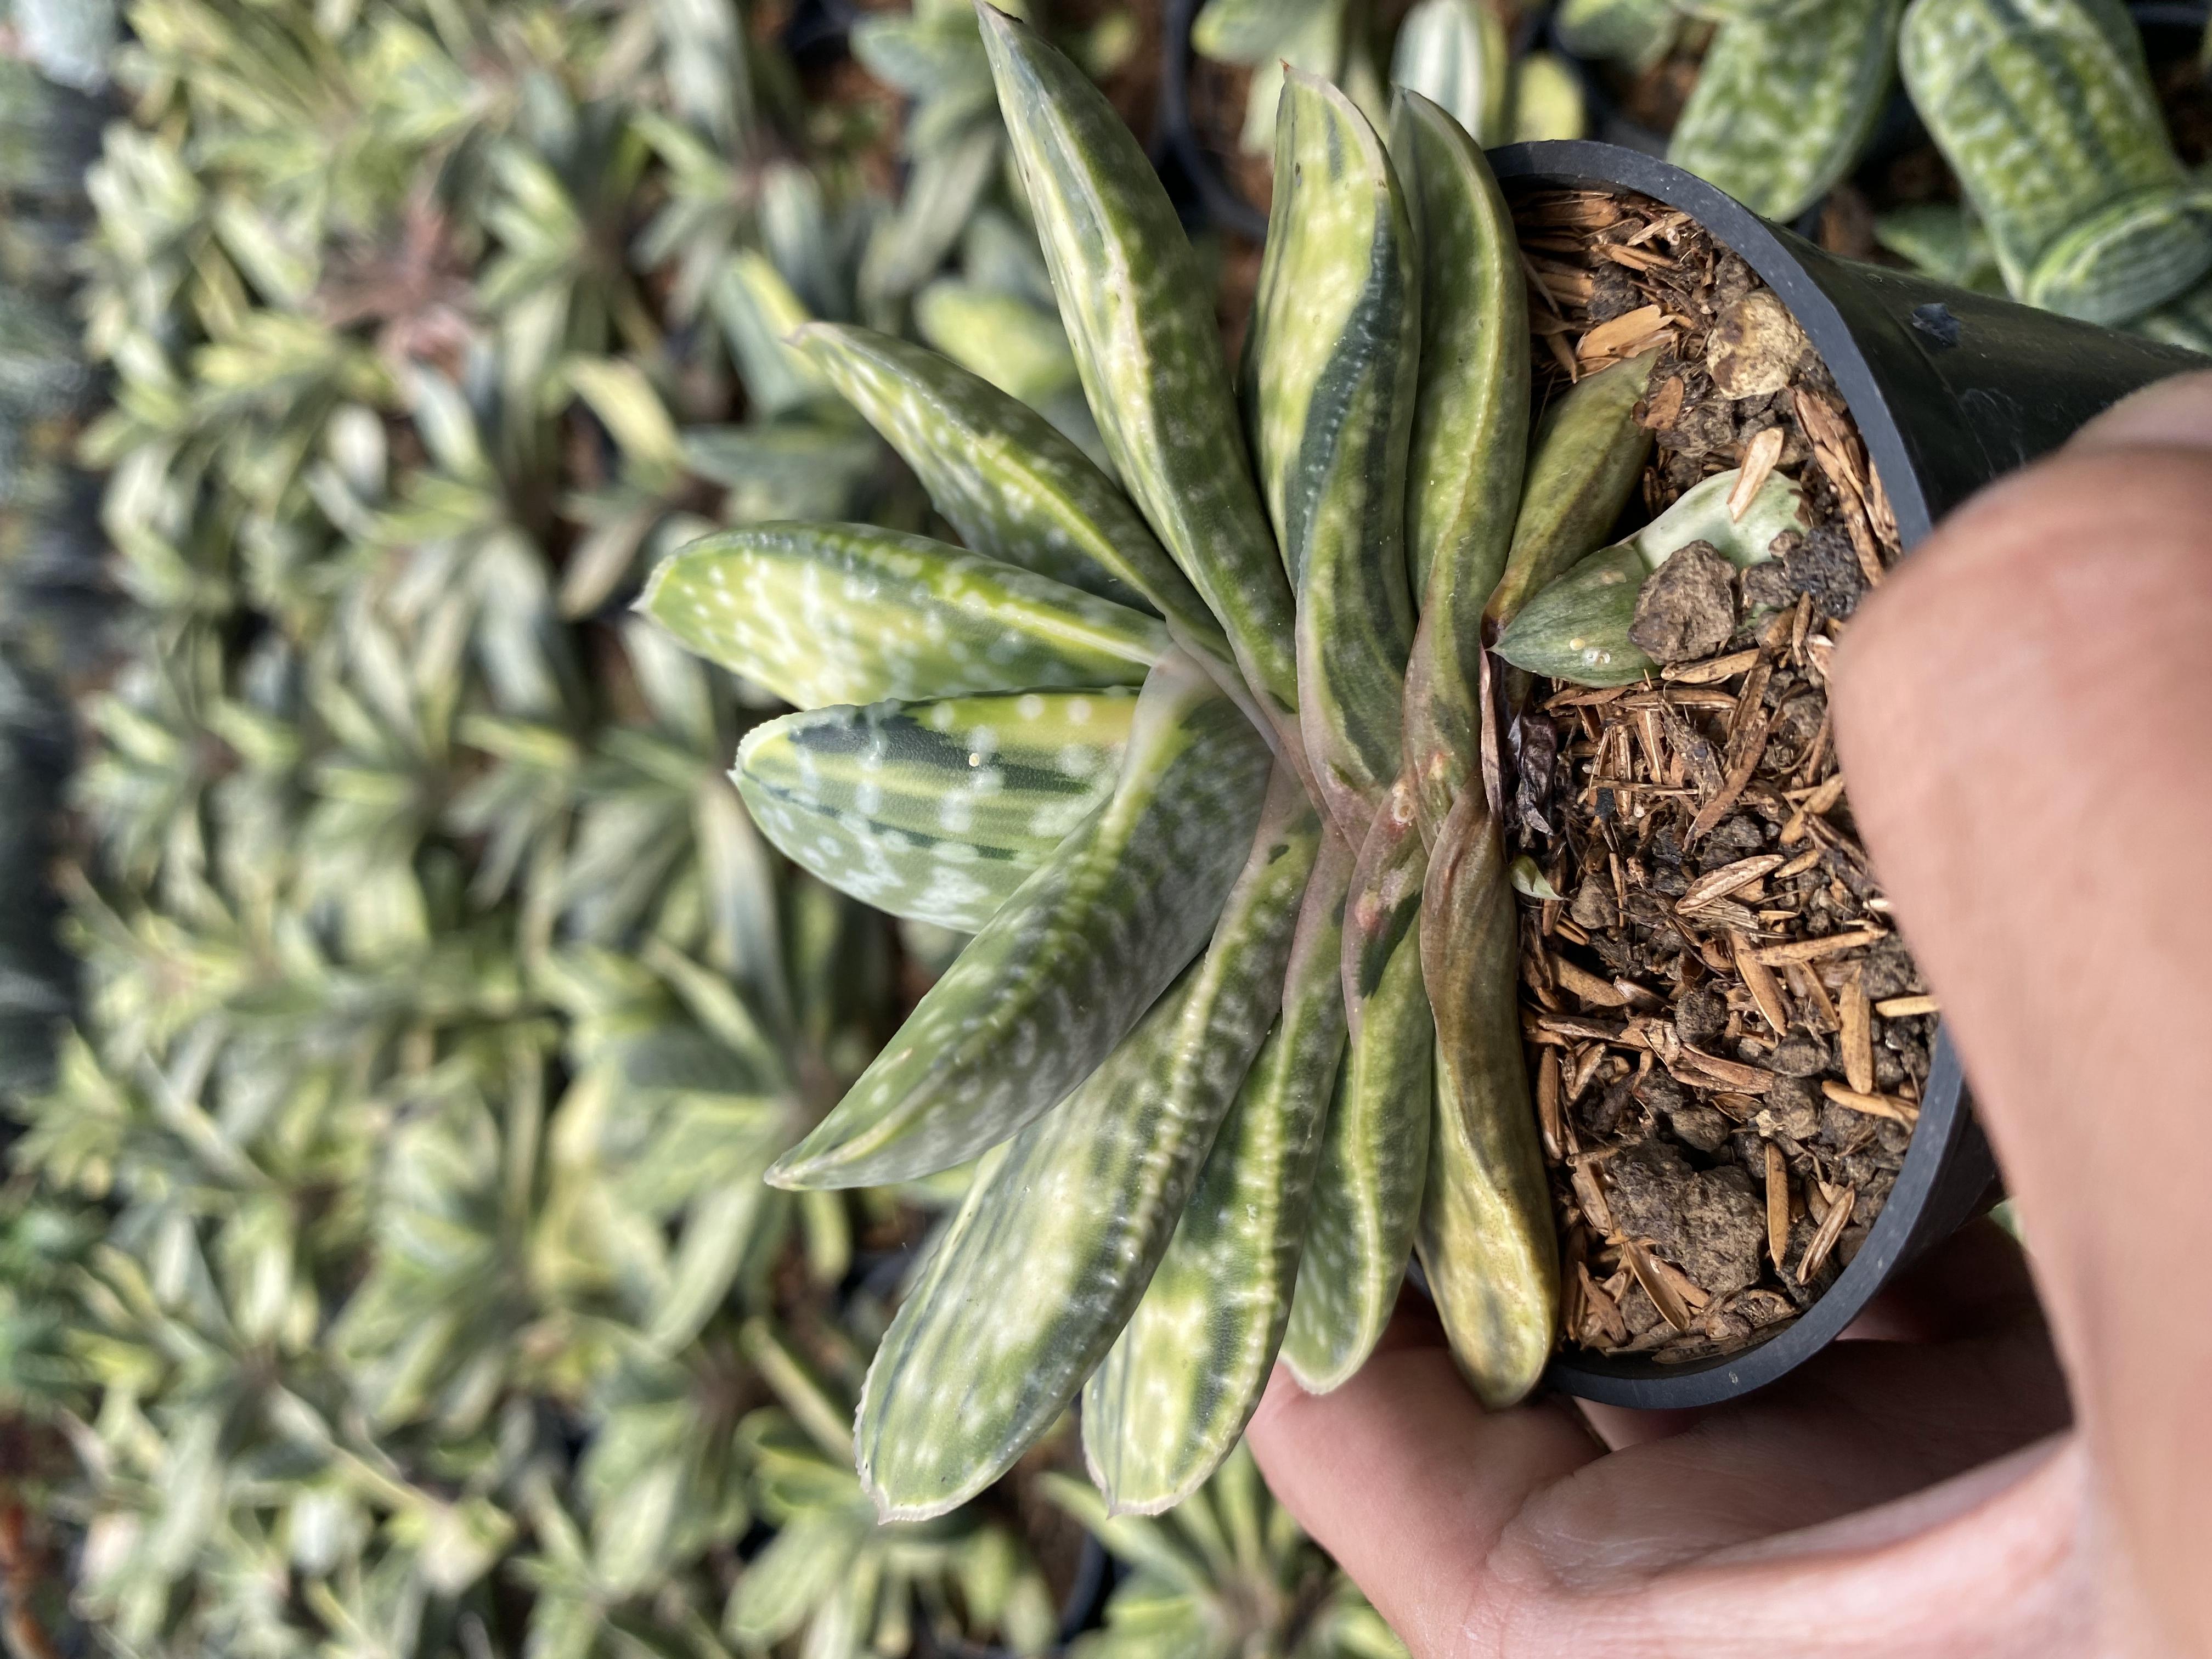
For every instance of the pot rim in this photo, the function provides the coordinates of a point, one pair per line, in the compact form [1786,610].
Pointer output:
[1945,1129]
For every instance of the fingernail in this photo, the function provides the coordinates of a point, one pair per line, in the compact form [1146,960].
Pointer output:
[2175,414]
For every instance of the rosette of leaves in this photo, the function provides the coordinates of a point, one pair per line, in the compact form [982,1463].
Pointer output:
[391,1226]
[1226,1574]
[1235,1033]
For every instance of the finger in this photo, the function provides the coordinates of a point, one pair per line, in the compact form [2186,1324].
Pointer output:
[2172,413]
[1405,1480]
[2025,712]
[1975,1282]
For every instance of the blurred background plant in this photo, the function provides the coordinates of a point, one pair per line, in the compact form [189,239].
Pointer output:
[2057,154]
[387,1268]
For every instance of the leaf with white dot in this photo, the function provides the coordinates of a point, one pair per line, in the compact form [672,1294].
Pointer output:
[848,613]
[937,811]
[1064,970]
[1029,1288]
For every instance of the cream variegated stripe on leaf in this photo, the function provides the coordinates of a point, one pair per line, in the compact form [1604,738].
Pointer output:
[935,811]
[1015,489]
[1060,975]
[1456,53]
[1045,1262]
[1329,375]
[1470,440]
[850,613]
[1173,1396]
[1139,318]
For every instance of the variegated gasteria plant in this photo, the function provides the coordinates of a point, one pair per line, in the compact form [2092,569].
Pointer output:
[1196,760]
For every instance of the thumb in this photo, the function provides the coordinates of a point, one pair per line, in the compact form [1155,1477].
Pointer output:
[2025,713]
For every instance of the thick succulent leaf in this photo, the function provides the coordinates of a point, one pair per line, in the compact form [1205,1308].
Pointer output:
[1784,105]
[2186,321]
[1485,1239]
[1046,1261]
[1059,975]
[1006,338]
[1013,486]
[1367,1188]
[1456,52]
[1548,99]
[759,310]
[1250,30]
[1139,317]
[1172,1398]
[1470,442]
[1588,453]
[1636,33]
[934,811]
[1701,513]
[850,613]
[1330,375]
[2049,118]
[1577,627]
[1367,1192]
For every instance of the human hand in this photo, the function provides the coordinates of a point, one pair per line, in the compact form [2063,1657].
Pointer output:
[2025,713]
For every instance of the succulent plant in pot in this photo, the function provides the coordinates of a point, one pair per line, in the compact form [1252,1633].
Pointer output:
[1148,744]
[1207,764]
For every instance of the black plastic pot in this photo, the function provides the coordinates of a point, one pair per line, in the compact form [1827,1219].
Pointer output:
[1201,189]
[1950,390]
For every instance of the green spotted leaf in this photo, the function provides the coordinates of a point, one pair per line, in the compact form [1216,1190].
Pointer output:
[1486,1235]
[1139,318]
[1046,1260]
[2047,114]
[847,613]
[1330,372]
[1636,33]
[1588,453]
[1173,1396]
[935,811]
[1470,443]
[1059,975]
[1784,105]
[1013,486]
[1367,1191]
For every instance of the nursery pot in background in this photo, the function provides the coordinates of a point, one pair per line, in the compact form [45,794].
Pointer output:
[1949,390]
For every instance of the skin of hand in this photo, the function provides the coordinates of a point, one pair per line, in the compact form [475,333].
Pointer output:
[2024,711]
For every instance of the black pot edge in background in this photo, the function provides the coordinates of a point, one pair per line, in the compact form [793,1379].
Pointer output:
[1949,390]
[1193,177]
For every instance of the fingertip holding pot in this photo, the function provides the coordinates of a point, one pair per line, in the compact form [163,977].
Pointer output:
[1950,389]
